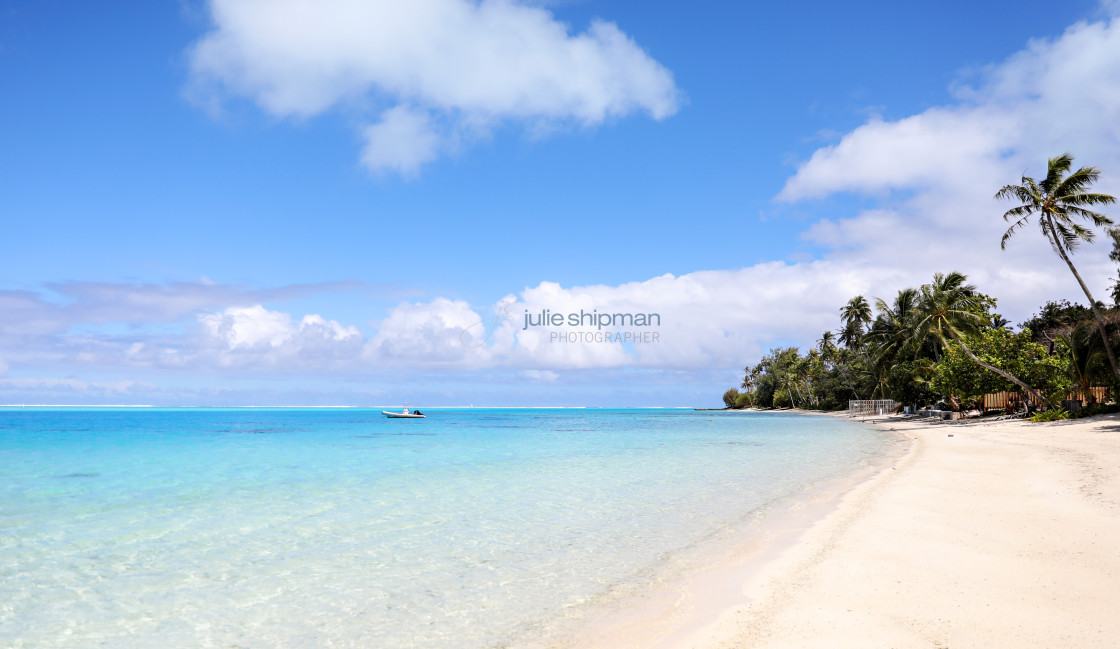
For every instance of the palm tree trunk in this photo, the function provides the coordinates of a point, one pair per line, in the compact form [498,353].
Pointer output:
[790,390]
[846,377]
[1005,375]
[1092,302]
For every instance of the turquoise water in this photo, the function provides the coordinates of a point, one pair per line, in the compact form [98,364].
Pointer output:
[308,528]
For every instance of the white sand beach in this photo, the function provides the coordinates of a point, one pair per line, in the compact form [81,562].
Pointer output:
[983,535]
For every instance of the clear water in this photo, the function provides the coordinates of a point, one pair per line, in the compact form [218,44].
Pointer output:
[341,528]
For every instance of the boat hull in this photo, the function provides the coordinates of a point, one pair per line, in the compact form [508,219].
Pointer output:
[399,415]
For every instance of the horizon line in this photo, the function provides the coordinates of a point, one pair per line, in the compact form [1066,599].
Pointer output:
[340,407]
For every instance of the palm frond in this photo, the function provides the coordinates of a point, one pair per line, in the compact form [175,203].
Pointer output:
[1011,230]
[1061,237]
[1019,212]
[1088,199]
[1056,168]
[1017,192]
[1031,185]
[1098,219]
[1077,181]
[1082,233]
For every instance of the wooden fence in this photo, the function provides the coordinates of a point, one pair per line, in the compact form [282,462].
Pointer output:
[999,400]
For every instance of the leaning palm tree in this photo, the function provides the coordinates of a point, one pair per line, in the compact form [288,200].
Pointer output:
[948,309]
[1059,201]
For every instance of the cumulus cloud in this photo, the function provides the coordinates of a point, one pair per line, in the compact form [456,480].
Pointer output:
[705,320]
[931,178]
[402,141]
[445,68]
[441,333]
[1054,95]
[255,326]
[257,337]
[933,174]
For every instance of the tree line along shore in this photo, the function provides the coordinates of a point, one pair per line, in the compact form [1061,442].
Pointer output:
[944,345]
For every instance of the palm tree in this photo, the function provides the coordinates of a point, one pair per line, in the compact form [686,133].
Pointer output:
[827,346]
[1086,357]
[1058,201]
[855,314]
[1000,322]
[890,333]
[1114,290]
[948,310]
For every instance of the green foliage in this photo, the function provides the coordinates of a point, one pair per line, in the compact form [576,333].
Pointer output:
[1083,349]
[1055,414]
[943,339]
[966,382]
[1061,203]
[1056,318]
[908,382]
[940,341]
[1098,409]
[783,378]
[1114,289]
[731,397]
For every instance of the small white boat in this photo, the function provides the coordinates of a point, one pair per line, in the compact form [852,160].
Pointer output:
[403,414]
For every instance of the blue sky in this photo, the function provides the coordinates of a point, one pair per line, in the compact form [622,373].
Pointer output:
[174,178]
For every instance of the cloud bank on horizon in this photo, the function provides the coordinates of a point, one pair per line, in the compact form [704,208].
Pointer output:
[929,178]
[438,74]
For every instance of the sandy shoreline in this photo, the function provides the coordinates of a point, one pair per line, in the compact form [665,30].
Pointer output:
[695,587]
[983,535]
[1002,535]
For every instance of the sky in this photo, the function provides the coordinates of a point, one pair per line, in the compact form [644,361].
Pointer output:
[347,202]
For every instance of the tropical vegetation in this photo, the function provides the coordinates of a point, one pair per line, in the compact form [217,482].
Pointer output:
[943,344]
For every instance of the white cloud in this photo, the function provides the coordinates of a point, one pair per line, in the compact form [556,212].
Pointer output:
[257,337]
[440,333]
[936,148]
[708,319]
[932,175]
[1054,95]
[402,141]
[76,386]
[472,64]
[540,376]
[254,326]
[26,314]
[935,173]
